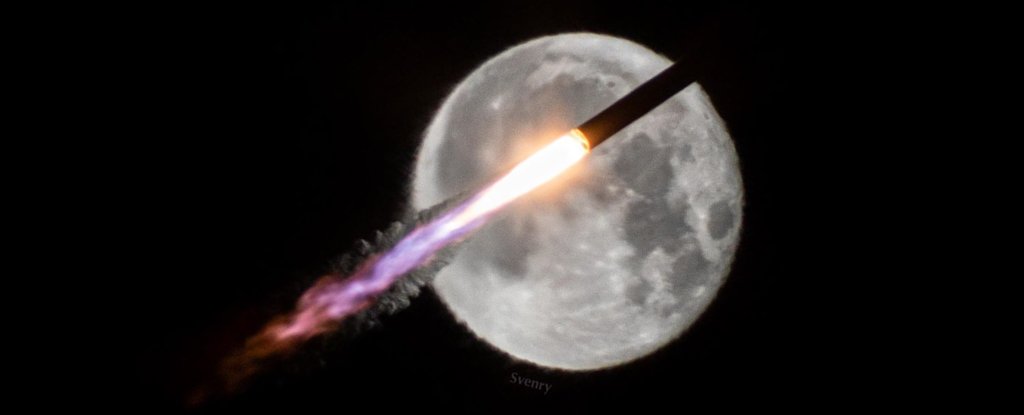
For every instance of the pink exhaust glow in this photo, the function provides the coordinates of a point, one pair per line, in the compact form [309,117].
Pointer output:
[334,298]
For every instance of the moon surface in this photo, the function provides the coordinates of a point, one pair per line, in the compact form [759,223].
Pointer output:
[615,258]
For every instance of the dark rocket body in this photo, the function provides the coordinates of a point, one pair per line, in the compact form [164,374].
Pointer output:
[637,102]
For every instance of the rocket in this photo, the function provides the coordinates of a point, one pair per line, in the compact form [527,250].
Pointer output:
[636,103]
[338,295]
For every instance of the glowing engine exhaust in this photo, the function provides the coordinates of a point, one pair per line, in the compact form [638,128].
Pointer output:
[336,297]
[329,302]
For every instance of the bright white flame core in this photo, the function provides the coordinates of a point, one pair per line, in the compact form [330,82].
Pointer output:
[332,299]
[539,168]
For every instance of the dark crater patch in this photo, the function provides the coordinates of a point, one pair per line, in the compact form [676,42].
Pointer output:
[650,223]
[645,166]
[686,153]
[690,270]
[638,293]
[720,219]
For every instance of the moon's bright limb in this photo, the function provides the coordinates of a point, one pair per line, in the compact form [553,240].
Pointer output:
[611,261]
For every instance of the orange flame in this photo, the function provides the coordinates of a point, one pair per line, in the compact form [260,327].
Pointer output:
[332,299]
[539,168]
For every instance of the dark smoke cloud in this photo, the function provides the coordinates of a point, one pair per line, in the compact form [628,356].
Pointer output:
[403,291]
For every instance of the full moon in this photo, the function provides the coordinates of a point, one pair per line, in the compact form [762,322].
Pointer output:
[615,258]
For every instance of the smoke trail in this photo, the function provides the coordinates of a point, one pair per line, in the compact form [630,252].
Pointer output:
[333,298]
[263,347]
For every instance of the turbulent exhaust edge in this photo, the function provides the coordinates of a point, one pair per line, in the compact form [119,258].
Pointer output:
[407,287]
[381,277]
[266,347]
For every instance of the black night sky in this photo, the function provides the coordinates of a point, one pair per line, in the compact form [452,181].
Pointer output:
[265,140]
